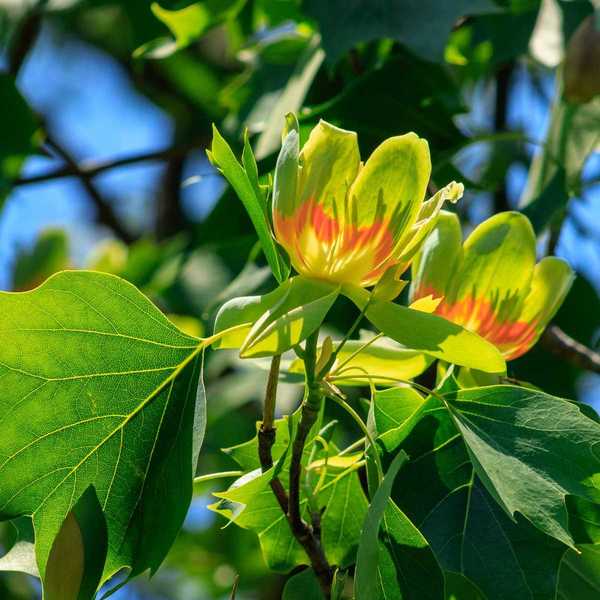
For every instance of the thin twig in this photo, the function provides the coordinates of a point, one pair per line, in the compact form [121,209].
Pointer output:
[266,433]
[106,216]
[564,346]
[91,168]
[311,407]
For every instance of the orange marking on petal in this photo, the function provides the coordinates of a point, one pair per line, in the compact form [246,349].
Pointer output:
[512,338]
[344,252]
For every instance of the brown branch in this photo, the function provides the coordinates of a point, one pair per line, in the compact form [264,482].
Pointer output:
[24,38]
[500,122]
[91,168]
[266,433]
[106,216]
[564,346]
[304,533]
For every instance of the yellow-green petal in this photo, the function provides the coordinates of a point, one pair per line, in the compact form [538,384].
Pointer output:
[390,188]
[551,282]
[497,266]
[438,258]
[330,161]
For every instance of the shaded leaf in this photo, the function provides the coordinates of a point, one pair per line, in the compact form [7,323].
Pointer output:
[514,436]
[468,532]
[302,586]
[76,561]
[423,26]
[580,574]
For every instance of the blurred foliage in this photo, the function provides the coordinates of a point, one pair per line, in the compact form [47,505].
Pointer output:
[380,68]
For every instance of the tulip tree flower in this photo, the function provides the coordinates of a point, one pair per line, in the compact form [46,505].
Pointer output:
[345,226]
[491,284]
[347,222]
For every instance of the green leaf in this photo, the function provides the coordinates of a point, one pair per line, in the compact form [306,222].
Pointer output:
[188,24]
[222,156]
[368,582]
[300,312]
[302,586]
[468,532]
[341,500]
[429,334]
[345,510]
[422,25]
[458,587]
[78,554]
[99,389]
[393,413]
[513,435]
[580,574]
[49,255]
[425,104]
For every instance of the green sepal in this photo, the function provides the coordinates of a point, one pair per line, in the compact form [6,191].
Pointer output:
[250,193]
[427,333]
[300,312]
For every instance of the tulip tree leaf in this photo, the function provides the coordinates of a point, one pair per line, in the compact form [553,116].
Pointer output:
[513,434]
[429,334]
[467,530]
[378,362]
[187,24]
[99,389]
[422,25]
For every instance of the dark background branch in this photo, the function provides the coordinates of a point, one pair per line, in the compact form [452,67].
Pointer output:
[565,347]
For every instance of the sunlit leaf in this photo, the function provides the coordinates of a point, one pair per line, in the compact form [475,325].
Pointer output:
[99,389]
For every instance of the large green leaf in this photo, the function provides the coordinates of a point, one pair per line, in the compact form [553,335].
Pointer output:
[422,25]
[223,157]
[530,450]
[99,389]
[429,334]
[468,532]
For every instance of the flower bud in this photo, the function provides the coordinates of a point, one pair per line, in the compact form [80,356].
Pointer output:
[582,62]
